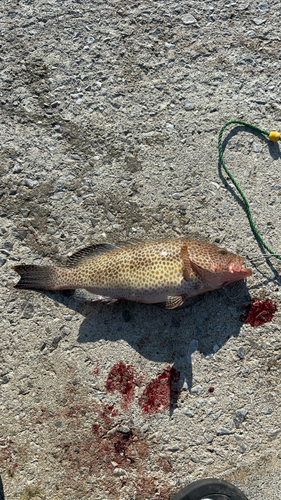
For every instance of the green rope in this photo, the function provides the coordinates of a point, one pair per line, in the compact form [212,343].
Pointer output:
[255,231]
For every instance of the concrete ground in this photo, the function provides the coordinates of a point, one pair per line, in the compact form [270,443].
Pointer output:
[110,114]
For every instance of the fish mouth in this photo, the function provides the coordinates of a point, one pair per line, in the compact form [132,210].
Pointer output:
[236,268]
[239,269]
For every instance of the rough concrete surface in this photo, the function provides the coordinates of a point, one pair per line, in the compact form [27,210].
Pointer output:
[110,113]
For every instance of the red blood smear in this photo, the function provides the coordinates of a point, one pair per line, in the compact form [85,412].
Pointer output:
[96,370]
[121,379]
[96,428]
[161,392]
[258,312]
[112,410]
[211,389]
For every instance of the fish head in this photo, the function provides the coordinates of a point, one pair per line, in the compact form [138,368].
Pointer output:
[217,265]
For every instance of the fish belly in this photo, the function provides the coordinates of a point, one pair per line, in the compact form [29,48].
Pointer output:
[148,293]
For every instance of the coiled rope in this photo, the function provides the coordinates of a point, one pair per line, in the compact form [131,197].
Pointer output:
[274,137]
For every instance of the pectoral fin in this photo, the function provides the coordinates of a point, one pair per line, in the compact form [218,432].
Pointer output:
[173,302]
[211,276]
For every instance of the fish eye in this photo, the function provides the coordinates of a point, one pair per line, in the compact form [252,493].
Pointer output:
[223,252]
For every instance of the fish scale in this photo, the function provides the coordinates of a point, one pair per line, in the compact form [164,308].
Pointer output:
[149,272]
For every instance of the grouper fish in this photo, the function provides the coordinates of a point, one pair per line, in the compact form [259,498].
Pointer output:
[157,271]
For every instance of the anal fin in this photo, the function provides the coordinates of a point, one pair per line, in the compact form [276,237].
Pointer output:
[82,294]
[173,302]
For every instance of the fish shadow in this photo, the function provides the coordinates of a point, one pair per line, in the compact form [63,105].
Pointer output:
[2,495]
[204,324]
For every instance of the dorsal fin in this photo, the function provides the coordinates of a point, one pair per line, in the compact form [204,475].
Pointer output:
[87,253]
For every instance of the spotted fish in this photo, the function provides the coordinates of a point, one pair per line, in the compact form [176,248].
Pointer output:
[149,272]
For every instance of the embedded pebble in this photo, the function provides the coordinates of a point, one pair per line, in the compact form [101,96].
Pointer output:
[238,437]
[4,252]
[240,417]
[251,34]
[267,411]
[241,353]
[173,448]
[119,472]
[28,311]
[76,96]
[124,429]
[158,217]
[197,390]
[274,433]
[257,148]
[169,45]
[110,216]
[177,196]
[2,261]
[223,432]
[209,437]
[169,127]
[189,413]
[189,106]
[30,183]
[258,21]
[188,19]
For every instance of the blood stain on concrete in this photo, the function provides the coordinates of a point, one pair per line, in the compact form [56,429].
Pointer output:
[161,392]
[98,453]
[7,459]
[147,489]
[95,428]
[91,442]
[121,379]
[259,312]
[113,411]
[96,370]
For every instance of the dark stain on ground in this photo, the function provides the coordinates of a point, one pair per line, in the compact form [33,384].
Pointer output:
[32,71]
[132,163]
[32,491]
[161,392]
[259,312]
[121,379]
[7,456]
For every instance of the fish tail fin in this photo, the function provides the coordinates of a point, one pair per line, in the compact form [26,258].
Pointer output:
[40,277]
